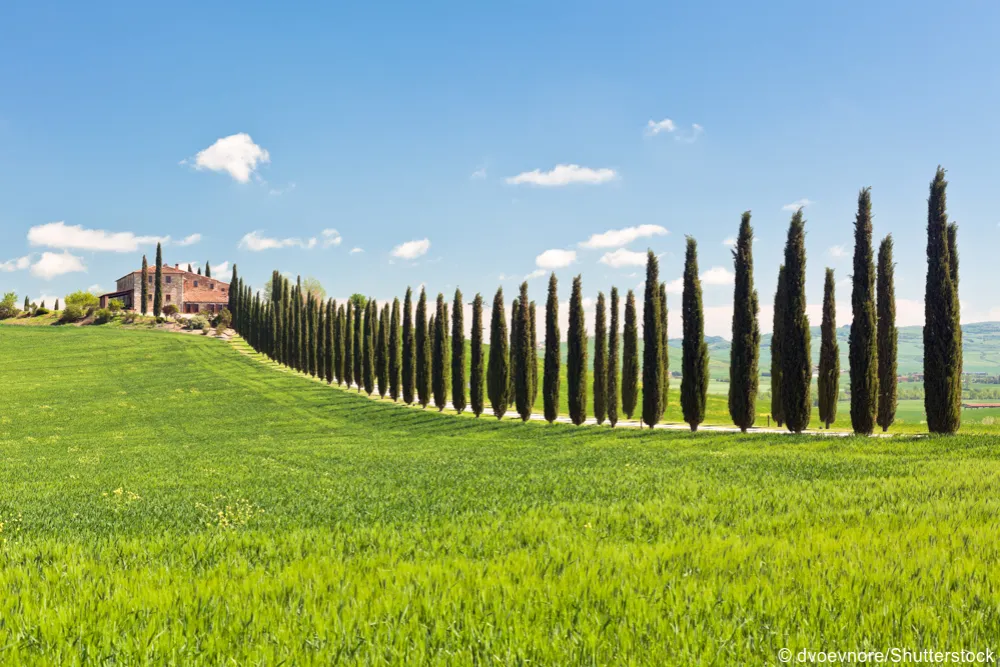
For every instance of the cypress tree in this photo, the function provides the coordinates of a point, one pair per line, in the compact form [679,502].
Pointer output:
[57,304]
[522,382]
[497,379]
[347,344]
[27,304]
[780,305]
[422,343]
[477,376]
[144,289]
[533,353]
[630,358]
[319,347]
[664,351]
[652,339]
[613,366]
[694,364]
[409,354]
[359,337]
[458,353]
[576,355]
[300,326]
[307,337]
[382,351]
[829,356]
[796,362]
[208,270]
[394,351]
[600,360]
[515,310]
[232,286]
[158,287]
[887,335]
[330,325]
[744,353]
[441,363]
[956,316]
[550,377]
[368,346]
[863,343]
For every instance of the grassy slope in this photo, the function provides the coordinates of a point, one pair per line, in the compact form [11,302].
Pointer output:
[165,499]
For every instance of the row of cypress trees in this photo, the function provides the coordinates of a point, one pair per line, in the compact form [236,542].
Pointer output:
[420,356]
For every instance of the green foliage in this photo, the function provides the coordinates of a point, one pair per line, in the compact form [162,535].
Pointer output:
[71,313]
[394,351]
[828,382]
[359,300]
[777,336]
[796,363]
[613,365]
[576,355]
[630,358]
[694,363]
[664,352]
[652,339]
[382,352]
[409,363]
[744,354]
[358,352]
[942,333]
[477,376]
[497,372]
[441,365]
[158,283]
[85,300]
[523,353]
[550,377]
[116,305]
[103,316]
[144,288]
[533,356]
[170,310]
[863,343]
[368,346]
[422,345]
[601,360]
[512,360]
[458,353]
[8,306]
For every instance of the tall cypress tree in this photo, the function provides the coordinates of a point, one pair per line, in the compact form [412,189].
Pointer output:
[208,270]
[550,377]
[956,317]
[630,358]
[863,343]
[422,343]
[359,337]
[780,305]
[533,355]
[307,337]
[887,335]
[613,365]
[576,355]
[320,308]
[458,353]
[796,362]
[522,383]
[345,343]
[394,351]
[440,366]
[512,360]
[694,363]
[144,289]
[664,352]
[302,357]
[477,376]
[409,366]
[829,356]
[382,351]
[497,378]
[289,326]
[652,339]
[368,346]
[232,295]
[600,360]
[744,353]
[331,337]
[158,287]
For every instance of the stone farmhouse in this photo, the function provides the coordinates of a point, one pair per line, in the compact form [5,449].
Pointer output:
[190,292]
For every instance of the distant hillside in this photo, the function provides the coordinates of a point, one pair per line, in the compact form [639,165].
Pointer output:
[981,345]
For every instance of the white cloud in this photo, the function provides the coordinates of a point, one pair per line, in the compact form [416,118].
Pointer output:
[623,257]
[537,273]
[692,136]
[478,174]
[355,251]
[75,237]
[564,174]
[277,192]
[189,240]
[220,270]
[838,252]
[255,242]
[95,289]
[54,264]
[236,155]
[729,242]
[555,259]
[331,237]
[411,249]
[796,205]
[655,127]
[717,275]
[615,238]
[49,300]
[675,286]
[19,264]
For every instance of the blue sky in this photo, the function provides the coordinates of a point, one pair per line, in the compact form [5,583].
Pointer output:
[395,123]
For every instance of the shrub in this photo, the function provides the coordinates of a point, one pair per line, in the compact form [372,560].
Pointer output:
[115,305]
[160,319]
[224,319]
[170,310]
[103,315]
[129,316]
[42,311]
[196,323]
[71,313]
[8,306]
[84,300]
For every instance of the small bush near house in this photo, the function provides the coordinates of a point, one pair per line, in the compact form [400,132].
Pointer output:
[116,305]
[196,323]
[42,311]
[8,306]
[84,300]
[224,319]
[129,316]
[103,315]
[71,313]
[170,310]
[161,319]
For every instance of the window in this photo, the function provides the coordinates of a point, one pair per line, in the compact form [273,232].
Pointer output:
[196,283]
[212,286]
[168,298]
[150,280]
[168,279]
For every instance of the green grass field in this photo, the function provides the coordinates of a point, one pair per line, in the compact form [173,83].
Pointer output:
[166,499]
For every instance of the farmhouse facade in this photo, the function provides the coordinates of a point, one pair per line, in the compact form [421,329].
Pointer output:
[190,292]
